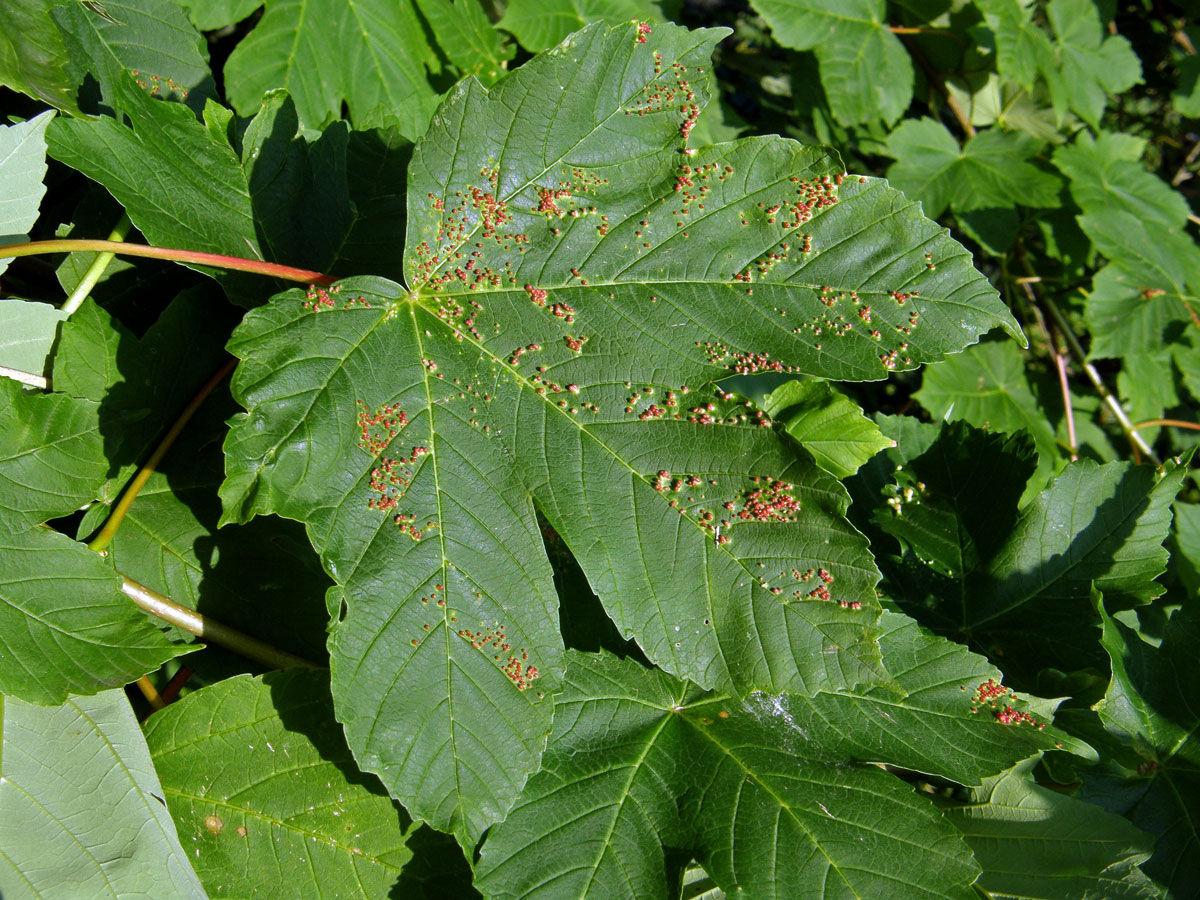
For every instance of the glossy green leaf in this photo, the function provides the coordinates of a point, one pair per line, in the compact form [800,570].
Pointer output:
[865,70]
[1150,705]
[1036,842]
[1140,300]
[372,55]
[150,39]
[51,454]
[540,24]
[57,641]
[266,796]
[466,35]
[987,387]
[27,332]
[640,761]
[991,171]
[1106,175]
[827,423]
[412,429]
[33,59]
[81,809]
[22,168]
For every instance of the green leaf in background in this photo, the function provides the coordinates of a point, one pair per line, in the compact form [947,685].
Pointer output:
[987,386]
[27,332]
[150,39]
[1148,293]
[22,168]
[266,796]
[211,15]
[1106,174]
[199,198]
[540,24]
[33,59]
[827,423]
[51,455]
[640,761]
[81,808]
[1036,842]
[1093,65]
[991,171]
[371,55]
[53,643]
[410,429]
[141,385]
[465,34]
[865,70]
[1151,706]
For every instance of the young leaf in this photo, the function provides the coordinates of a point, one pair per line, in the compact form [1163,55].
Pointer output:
[1036,842]
[81,809]
[1150,704]
[640,761]
[991,171]
[827,423]
[371,55]
[54,643]
[501,376]
[265,794]
[22,168]
[865,70]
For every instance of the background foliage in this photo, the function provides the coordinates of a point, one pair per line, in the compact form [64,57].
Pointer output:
[658,509]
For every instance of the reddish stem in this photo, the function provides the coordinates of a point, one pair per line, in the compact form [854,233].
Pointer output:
[216,260]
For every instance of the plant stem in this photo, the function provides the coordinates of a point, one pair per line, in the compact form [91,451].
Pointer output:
[96,269]
[104,537]
[216,260]
[37,381]
[151,693]
[196,623]
[1174,423]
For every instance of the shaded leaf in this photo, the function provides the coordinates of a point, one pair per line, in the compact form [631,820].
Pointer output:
[371,55]
[827,423]
[1094,65]
[210,15]
[1151,706]
[1036,842]
[22,168]
[81,809]
[865,70]
[987,387]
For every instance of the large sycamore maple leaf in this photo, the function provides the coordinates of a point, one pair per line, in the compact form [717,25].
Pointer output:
[578,282]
